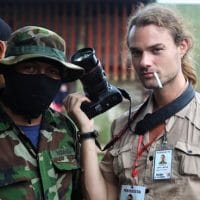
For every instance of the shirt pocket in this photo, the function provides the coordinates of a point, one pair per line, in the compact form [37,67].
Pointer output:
[64,160]
[189,159]
[122,159]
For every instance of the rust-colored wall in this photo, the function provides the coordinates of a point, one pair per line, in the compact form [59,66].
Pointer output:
[98,24]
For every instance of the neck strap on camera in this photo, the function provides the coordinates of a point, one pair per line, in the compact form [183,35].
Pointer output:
[157,117]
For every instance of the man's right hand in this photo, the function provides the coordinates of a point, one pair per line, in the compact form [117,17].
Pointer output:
[72,105]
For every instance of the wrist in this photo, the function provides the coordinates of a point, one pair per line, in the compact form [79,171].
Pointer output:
[86,128]
[88,135]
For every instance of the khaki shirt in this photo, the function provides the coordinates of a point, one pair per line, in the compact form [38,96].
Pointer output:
[183,133]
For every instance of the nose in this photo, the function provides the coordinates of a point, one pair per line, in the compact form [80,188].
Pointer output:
[146,60]
[42,71]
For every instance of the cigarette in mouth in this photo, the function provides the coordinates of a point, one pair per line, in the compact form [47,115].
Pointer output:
[158,80]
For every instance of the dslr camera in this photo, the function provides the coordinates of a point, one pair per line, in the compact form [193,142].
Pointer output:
[103,95]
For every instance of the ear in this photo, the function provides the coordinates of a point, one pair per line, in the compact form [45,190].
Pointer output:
[2,49]
[183,47]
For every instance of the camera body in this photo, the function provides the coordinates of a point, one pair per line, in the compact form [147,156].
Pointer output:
[103,95]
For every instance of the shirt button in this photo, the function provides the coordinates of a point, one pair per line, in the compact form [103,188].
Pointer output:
[147,190]
[150,158]
[189,151]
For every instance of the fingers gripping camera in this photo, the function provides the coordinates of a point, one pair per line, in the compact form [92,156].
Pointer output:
[103,95]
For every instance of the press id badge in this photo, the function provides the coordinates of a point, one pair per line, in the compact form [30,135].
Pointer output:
[162,169]
[129,192]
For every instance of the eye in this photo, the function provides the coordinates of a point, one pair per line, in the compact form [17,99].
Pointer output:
[157,50]
[53,72]
[136,53]
[27,68]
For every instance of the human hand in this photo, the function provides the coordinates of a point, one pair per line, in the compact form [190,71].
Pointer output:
[72,104]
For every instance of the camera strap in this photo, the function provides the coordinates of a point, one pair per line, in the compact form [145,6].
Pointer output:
[157,117]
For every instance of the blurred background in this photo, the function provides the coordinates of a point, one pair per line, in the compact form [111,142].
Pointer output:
[100,24]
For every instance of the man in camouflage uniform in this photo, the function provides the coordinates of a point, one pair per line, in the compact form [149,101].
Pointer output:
[38,145]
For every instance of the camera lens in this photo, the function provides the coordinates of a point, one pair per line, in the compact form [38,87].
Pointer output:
[82,56]
[85,58]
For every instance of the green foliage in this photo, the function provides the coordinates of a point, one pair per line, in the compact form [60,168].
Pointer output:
[103,123]
[191,16]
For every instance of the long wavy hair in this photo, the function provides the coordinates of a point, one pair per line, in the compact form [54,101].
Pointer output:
[170,20]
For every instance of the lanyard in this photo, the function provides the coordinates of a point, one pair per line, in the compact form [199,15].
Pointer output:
[140,150]
[126,127]
[158,117]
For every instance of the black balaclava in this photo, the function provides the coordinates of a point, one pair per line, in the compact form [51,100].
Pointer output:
[29,95]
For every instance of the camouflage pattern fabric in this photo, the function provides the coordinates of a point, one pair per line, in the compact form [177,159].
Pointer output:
[31,40]
[27,174]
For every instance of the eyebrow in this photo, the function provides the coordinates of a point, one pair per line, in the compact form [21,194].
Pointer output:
[156,45]
[150,47]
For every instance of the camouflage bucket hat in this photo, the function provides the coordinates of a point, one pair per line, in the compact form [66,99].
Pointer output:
[33,42]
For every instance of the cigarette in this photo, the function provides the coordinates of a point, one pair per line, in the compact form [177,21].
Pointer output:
[158,80]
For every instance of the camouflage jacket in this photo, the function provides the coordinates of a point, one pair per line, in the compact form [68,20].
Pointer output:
[46,173]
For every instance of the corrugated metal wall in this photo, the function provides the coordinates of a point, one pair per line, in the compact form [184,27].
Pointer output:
[82,24]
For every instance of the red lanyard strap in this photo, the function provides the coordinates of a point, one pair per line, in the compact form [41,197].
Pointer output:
[140,150]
